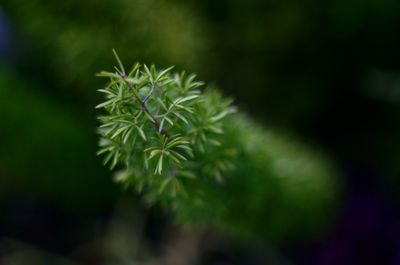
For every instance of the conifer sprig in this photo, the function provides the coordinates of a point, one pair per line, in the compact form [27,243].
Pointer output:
[158,125]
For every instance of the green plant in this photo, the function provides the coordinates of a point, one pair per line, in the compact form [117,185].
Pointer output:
[190,151]
[161,128]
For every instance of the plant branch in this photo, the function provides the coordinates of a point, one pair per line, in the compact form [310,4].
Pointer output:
[143,103]
[151,92]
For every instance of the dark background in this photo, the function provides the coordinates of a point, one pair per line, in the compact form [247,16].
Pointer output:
[327,71]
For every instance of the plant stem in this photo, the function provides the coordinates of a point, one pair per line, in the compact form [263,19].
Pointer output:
[143,103]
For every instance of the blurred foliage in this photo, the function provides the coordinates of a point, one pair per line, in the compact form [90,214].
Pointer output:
[60,34]
[310,68]
[185,149]
[278,191]
[47,152]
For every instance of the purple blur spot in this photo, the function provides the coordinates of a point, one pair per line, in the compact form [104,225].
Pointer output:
[4,33]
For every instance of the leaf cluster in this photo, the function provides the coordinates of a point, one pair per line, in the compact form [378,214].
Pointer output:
[160,128]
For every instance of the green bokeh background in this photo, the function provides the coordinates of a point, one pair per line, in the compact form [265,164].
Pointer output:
[326,73]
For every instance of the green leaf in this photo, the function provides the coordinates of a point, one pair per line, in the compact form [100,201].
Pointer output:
[214,129]
[105,104]
[185,147]
[107,74]
[175,141]
[107,125]
[184,99]
[169,120]
[119,131]
[187,174]
[153,153]
[115,159]
[159,167]
[106,91]
[181,117]
[222,114]
[181,157]
[161,126]
[141,132]
[164,183]
[162,104]
[134,69]
[214,142]
[149,117]
[122,69]
[133,81]
[164,72]
[177,161]
[108,158]
[147,71]
[150,149]
[127,134]
[185,108]
[105,149]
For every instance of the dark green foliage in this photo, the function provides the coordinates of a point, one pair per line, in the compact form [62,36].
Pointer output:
[64,33]
[184,148]
[46,150]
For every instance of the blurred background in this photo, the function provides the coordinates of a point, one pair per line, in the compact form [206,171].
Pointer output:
[327,72]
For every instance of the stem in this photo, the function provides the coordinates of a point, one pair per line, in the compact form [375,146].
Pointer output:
[143,103]
[148,96]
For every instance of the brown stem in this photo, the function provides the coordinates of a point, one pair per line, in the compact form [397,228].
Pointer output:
[143,104]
